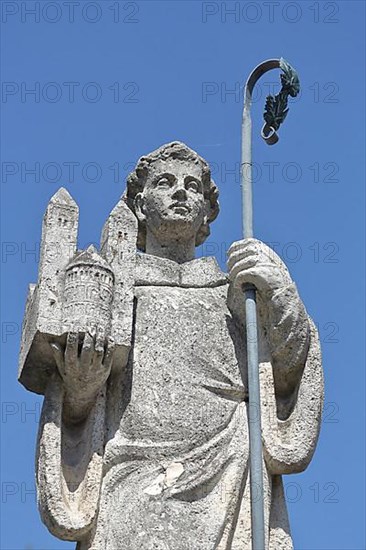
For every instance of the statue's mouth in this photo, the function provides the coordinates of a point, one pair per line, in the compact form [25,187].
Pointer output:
[180,205]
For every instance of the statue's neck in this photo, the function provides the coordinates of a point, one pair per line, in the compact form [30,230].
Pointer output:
[178,250]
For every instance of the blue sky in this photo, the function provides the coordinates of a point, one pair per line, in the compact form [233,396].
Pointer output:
[114,80]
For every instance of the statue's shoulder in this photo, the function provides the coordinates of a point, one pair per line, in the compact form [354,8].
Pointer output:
[203,272]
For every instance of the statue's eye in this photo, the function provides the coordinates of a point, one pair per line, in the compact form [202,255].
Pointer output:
[163,182]
[192,185]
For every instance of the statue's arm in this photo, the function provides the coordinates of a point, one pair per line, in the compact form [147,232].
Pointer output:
[284,322]
[71,436]
[287,327]
[291,375]
[73,375]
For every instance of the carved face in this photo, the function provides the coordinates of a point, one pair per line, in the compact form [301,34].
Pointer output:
[172,203]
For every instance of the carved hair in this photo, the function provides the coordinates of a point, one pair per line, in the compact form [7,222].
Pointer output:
[176,150]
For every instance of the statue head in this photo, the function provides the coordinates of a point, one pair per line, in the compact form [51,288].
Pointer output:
[172,194]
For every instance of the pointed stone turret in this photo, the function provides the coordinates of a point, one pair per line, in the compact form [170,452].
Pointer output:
[59,234]
[118,247]
[43,316]
[58,246]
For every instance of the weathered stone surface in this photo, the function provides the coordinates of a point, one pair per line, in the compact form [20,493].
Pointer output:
[152,452]
[43,317]
[88,292]
[118,246]
[78,291]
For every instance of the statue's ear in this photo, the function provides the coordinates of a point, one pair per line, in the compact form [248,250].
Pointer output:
[139,207]
[207,211]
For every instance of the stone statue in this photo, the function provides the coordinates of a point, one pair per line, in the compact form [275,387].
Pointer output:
[139,350]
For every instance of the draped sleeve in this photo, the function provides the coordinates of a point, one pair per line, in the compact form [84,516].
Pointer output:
[69,465]
[291,377]
[289,444]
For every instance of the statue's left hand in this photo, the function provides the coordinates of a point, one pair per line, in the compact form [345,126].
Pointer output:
[84,364]
[252,261]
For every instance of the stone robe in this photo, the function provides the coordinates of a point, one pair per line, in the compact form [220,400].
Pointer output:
[161,462]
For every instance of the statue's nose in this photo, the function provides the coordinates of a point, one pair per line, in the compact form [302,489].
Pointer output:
[180,194]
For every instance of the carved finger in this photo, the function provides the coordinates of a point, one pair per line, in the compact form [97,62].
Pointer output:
[263,277]
[59,357]
[244,243]
[234,247]
[100,338]
[109,354]
[240,267]
[254,277]
[248,246]
[242,254]
[71,351]
[99,348]
[87,350]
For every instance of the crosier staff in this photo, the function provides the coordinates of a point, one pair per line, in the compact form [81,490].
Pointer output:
[275,113]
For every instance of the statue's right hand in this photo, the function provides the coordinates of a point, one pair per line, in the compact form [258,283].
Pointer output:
[84,364]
